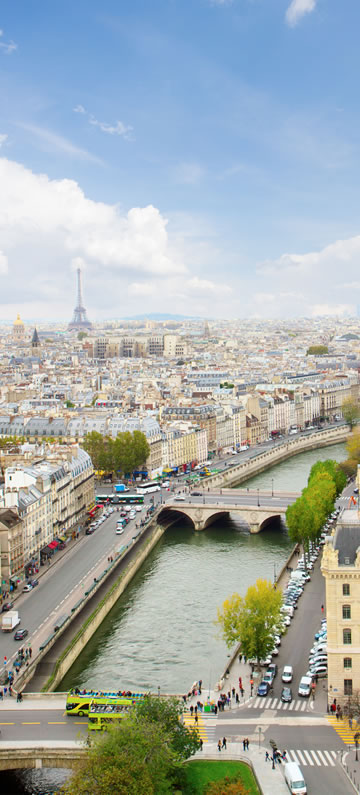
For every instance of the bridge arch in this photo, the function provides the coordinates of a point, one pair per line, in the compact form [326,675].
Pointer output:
[273,521]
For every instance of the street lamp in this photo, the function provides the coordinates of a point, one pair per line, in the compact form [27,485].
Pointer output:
[356,738]
[272,487]
[258,501]
[158,691]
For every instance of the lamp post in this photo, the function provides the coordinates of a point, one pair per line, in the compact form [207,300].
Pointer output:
[259,730]
[158,691]
[356,738]
[272,487]
[258,501]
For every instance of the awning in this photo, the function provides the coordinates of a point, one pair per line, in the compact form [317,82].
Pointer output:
[53,544]
[62,538]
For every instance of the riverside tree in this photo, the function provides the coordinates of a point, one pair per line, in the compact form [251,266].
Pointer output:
[350,411]
[250,620]
[123,454]
[144,755]
[332,468]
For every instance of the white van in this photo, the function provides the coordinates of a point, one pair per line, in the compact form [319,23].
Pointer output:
[305,686]
[295,779]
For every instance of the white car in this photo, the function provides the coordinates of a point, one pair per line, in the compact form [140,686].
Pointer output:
[119,531]
[138,508]
[287,674]
[179,498]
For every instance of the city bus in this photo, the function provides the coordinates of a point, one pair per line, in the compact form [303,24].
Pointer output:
[126,499]
[79,703]
[148,488]
[101,716]
[101,499]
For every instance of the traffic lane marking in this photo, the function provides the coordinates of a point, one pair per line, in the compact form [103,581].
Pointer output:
[57,723]
[30,723]
[7,724]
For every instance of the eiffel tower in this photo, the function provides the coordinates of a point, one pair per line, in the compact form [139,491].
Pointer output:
[79,321]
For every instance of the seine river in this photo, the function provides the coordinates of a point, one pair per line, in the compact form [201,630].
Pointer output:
[161,632]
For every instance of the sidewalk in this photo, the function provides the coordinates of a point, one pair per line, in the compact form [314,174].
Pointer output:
[270,780]
[33,704]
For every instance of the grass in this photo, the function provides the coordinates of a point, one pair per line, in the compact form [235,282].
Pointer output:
[200,774]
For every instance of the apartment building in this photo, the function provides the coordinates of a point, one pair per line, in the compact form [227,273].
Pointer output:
[11,549]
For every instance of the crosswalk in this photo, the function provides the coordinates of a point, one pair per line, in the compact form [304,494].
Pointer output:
[312,758]
[342,728]
[300,705]
[207,733]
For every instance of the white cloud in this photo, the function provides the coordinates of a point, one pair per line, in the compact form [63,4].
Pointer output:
[3,138]
[297,9]
[264,298]
[204,286]
[57,143]
[7,47]
[48,227]
[119,128]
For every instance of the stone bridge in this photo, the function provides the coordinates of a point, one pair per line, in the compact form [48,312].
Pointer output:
[257,517]
[25,754]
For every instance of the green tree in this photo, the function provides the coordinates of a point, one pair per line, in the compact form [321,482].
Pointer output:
[227,786]
[332,468]
[141,448]
[81,335]
[250,620]
[317,350]
[349,467]
[69,404]
[94,445]
[350,411]
[167,713]
[134,759]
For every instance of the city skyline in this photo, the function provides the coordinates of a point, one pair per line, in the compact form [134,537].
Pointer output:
[199,157]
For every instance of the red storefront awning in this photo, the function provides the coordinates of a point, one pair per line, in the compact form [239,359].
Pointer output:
[53,544]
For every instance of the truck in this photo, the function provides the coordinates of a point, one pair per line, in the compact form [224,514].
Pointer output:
[119,487]
[10,620]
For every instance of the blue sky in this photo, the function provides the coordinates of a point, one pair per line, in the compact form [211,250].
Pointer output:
[193,156]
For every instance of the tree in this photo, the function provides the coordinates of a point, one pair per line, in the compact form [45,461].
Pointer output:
[317,350]
[141,448]
[167,713]
[143,756]
[332,468]
[81,335]
[349,467]
[94,445]
[133,759]
[250,620]
[69,404]
[227,786]
[350,411]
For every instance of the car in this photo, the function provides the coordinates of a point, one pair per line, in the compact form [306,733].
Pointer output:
[34,583]
[132,515]
[179,498]
[287,621]
[286,695]
[263,688]
[7,606]
[321,672]
[287,674]
[356,491]
[196,494]
[89,531]
[27,588]
[268,677]
[119,531]
[273,667]
[138,508]
[20,634]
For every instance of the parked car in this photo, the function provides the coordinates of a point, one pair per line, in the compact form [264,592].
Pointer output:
[286,695]
[119,530]
[179,498]
[20,634]
[7,606]
[287,674]
[196,494]
[320,671]
[269,678]
[263,688]
[89,531]
[273,667]
[27,588]
[62,545]
[34,583]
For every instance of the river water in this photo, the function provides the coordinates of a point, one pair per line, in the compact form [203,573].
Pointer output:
[161,632]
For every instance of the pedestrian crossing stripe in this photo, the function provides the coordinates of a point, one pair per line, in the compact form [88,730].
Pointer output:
[312,758]
[342,729]
[276,703]
[190,723]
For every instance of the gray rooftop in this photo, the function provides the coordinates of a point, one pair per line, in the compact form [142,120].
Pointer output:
[347,541]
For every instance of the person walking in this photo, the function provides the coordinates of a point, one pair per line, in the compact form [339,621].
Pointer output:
[244,744]
[219,745]
[224,743]
[191,710]
[267,756]
[242,692]
[240,658]
[237,698]
[240,682]
[196,719]
[201,744]
[247,744]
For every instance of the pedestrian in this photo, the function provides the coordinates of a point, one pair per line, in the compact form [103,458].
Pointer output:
[350,723]
[267,756]
[1,695]
[191,710]
[242,692]
[195,709]
[244,656]
[233,692]
[200,684]
[244,744]
[196,719]
[201,744]
[237,698]
[337,714]
[18,698]
[240,682]
[224,743]
[322,608]
[219,745]
[10,690]
[247,744]
[240,658]
[215,709]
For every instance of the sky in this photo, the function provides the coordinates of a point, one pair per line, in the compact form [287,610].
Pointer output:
[195,157]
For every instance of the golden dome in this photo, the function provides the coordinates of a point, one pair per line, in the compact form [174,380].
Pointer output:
[18,321]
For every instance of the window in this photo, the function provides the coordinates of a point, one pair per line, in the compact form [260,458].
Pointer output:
[346,589]
[347,662]
[346,611]
[348,687]
[347,636]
